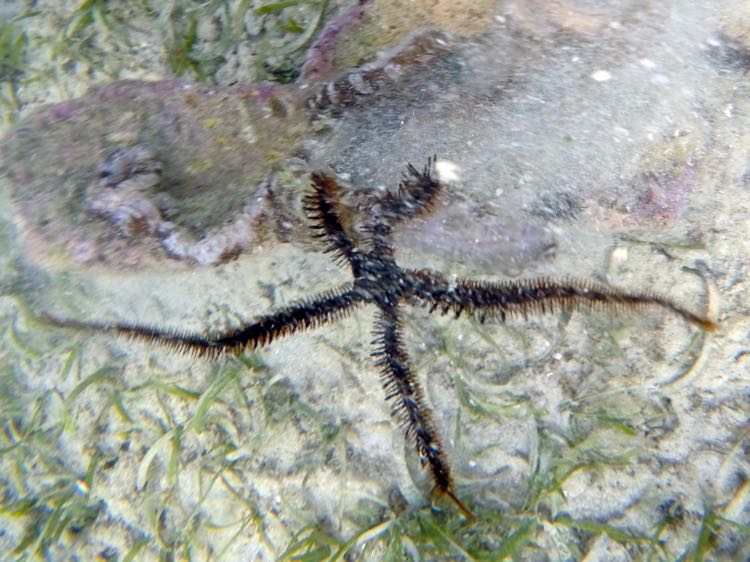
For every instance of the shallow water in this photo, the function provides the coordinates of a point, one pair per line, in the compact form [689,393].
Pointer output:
[612,140]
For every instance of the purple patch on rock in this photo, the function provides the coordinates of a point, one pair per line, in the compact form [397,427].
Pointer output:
[319,62]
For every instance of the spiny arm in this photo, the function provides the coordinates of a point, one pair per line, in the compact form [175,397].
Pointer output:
[416,194]
[537,296]
[325,213]
[403,390]
[296,317]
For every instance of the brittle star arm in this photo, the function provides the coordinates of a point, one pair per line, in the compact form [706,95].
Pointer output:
[308,313]
[416,194]
[409,407]
[325,213]
[537,296]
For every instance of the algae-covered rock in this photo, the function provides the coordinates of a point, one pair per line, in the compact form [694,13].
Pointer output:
[215,148]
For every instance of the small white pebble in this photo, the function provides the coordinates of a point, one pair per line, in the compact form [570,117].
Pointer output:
[601,76]
[659,79]
[620,254]
[647,63]
[447,171]
[621,131]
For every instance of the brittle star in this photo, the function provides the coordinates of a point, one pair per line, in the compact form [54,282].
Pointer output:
[380,281]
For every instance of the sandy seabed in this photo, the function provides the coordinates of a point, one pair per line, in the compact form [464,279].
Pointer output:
[610,437]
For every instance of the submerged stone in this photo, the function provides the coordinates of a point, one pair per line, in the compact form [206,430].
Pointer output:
[533,108]
[213,148]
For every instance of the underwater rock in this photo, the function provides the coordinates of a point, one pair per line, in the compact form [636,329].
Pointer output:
[544,106]
[530,107]
[214,153]
[127,195]
[214,150]
[371,26]
[121,193]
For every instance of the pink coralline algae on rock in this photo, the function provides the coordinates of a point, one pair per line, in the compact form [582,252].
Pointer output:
[136,169]
[126,194]
[135,172]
